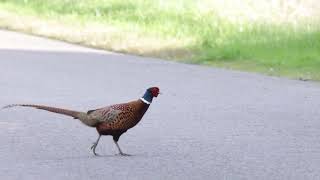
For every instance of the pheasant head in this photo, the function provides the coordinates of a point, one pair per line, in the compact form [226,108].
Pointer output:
[149,94]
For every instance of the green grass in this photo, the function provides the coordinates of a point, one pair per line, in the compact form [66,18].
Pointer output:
[285,43]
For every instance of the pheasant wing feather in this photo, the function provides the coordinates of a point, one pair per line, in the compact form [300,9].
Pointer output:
[107,114]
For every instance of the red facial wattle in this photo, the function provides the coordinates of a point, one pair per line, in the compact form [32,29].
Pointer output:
[155,92]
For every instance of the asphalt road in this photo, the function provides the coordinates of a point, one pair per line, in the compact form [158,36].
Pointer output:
[208,123]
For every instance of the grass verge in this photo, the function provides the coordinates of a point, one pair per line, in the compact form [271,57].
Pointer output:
[286,43]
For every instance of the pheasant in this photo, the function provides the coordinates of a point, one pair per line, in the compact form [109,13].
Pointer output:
[112,120]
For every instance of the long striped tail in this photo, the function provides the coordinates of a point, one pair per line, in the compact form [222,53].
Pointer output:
[83,117]
[67,112]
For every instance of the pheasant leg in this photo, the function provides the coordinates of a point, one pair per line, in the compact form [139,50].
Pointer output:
[95,144]
[120,152]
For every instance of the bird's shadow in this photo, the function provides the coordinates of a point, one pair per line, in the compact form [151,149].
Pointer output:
[98,156]
[114,155]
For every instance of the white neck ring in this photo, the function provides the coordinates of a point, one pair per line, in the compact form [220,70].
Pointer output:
[145,101]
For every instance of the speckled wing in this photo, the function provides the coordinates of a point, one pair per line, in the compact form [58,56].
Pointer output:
[106,114]
[118,116]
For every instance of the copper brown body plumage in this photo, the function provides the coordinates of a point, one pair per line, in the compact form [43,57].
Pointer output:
[112,120]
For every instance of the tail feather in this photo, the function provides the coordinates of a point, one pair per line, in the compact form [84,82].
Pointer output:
[67,112]
[75,114]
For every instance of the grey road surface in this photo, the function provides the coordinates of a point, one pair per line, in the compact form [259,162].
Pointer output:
[208,123]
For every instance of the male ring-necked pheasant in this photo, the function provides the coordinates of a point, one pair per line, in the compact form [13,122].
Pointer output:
[112,120]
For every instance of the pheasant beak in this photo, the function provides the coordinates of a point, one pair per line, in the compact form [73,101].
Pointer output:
[156,95]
